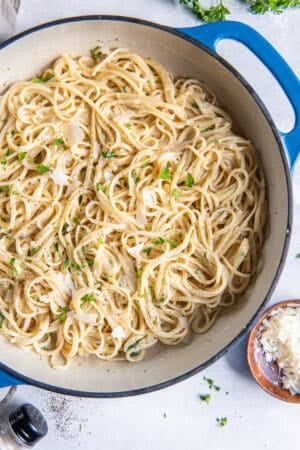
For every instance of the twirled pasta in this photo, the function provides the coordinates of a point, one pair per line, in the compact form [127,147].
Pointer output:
[131,212]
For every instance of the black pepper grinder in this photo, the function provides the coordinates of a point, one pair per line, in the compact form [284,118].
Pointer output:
[23,428]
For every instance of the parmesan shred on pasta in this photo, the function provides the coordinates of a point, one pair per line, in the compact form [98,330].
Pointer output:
[131,211]
[280,340]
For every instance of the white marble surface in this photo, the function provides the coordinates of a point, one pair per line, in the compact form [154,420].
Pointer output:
[175,416]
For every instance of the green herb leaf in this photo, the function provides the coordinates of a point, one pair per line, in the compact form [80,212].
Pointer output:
[42,79]
[128,125]
[194,105]
[109,154]
[210,382]
[162,299]
[96,52]
[297,256]
[67,263]
[34,250]
[9,152]
[135,178]
[87,298]
[158,241]
[100,187]
[165,174]
[176,193]
[205,397]
[146,164]
[171,243]
[134,344]
[59,141]
[147,250]
[42,169]
[222,421]
[213,14]
[61,313]
[22,156]
[189,182]
[4,188]
[2,317]
[75,220]
[12,265]
[208,129]
[139,272]
[13,133]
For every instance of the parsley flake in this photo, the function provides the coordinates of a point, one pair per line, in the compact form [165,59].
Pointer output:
[109,154]
[22,156]
[147,250]
[205,397]
[42,79]
[42,169]
[189,182]
[59,141]
[62,313]
[222,421]
[12,265]
[165,174]
[176,193]
[100,187]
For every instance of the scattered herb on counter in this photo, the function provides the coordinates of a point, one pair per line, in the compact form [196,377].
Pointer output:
[298,255]
[220,11]
[222,421]
[42,79]
[210,382]
[205,398]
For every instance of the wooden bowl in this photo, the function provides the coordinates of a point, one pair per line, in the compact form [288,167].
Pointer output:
[267,374]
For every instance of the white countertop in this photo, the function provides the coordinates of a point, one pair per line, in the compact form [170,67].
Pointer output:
[175,416]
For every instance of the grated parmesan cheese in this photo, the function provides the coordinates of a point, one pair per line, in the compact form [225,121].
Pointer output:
[280,340]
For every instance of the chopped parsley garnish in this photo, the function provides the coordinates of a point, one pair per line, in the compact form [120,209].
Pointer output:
[87,298]
[203,258]
[22,156]
[205,397]
[100,187]
[59,141]
[165,174]
[194,105]
[4,188]
[189,182]
[128,125]
[139,272]
[12,265]
[67,263]
[134,344]
[109,154]
[2,317]
[13,133]
[162,299]
[222,421]
[158,241]
[42,169]
[135,178]
[34,250]
[146,164]
[147,250]
[208,129]
[75,220]
[217,388]
[176,193]
[9,152]
[124,88]
[171,243]
[42,79]
[96,52]
[61,313]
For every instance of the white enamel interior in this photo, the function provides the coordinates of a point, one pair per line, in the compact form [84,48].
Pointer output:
[25,58]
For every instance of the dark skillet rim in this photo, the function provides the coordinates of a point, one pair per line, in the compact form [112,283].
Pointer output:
[237,339]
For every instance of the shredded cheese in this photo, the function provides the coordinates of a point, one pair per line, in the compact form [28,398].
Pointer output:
[280,340]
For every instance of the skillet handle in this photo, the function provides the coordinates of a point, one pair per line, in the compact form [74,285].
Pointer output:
[8,380]
[211,34]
